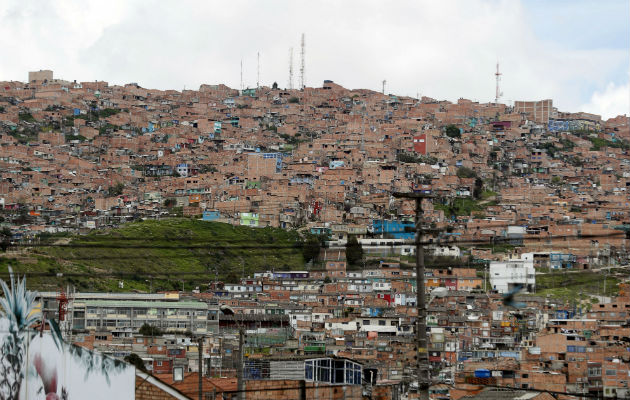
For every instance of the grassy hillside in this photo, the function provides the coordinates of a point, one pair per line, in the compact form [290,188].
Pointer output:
[572,286]
[158,253]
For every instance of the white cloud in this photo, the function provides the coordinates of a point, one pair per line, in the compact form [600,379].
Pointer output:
[446,49]
[611,102]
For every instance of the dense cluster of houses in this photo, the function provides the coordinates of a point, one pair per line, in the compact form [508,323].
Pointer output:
[295,322]
[83,155]
[549,186]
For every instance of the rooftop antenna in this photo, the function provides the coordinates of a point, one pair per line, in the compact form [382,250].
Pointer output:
[258,72]
[302,66]
[384,82]
[241,74]
[291,68]
[498,91]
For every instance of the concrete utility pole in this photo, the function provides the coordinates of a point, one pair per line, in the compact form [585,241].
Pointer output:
[424,376]
[240,379]
[200,347]
[239,370]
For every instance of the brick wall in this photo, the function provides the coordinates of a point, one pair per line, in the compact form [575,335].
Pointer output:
[292,392]
[147,391]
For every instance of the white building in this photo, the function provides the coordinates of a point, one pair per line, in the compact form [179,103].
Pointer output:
[299,315]
[443,251]
[405,299]
[182,169]
[504,275]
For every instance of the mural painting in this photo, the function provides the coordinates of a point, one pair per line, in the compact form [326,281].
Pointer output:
[37,363]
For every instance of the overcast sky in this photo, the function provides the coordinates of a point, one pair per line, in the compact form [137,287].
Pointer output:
[575,52]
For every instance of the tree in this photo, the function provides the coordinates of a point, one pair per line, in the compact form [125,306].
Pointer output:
[232,277]
[453,132]
[294,100]
[478,189]
[5,238]
[354,251]
[274,86]
[170,202]
[23,217]
[136,361]
[116,190]
[311,248]
[150,330]
[465,172]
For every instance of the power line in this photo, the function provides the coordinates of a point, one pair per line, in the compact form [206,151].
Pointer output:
[122,274]
[388,242]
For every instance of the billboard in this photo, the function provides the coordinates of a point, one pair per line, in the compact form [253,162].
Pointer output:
[36,364]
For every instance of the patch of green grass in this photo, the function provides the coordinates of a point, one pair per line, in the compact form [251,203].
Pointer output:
[107,112]
[460,206]
[498,248]
[26,116]
[573,286]
[486,194]
[188,250]
[598,143]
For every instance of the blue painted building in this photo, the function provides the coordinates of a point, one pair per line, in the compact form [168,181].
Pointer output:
[211,215]
[561,261]
[320,230]
[395,229]
[278,157]
[556,125]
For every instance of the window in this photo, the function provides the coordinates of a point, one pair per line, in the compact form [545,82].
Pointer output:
[381,322]
[611,372]
[366,322]
[594,372]
[332,371]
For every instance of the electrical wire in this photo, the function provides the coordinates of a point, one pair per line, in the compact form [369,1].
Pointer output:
[209,273]
[298,245]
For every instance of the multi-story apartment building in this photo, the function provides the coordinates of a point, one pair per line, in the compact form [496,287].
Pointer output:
[111,315]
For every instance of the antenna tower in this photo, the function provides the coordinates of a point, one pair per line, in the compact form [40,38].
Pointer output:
[291,68]
[258,72]
[384,82]
[498,91]
[241,74]
[302,65]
